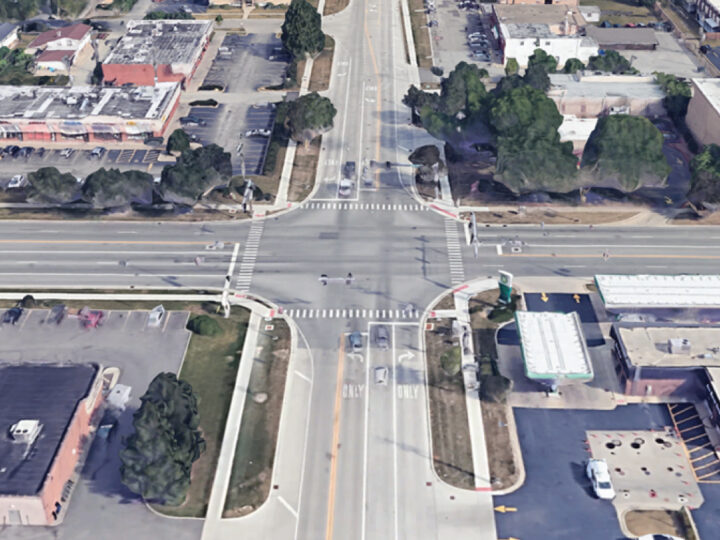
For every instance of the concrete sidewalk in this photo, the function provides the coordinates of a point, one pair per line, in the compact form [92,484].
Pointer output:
[232,430]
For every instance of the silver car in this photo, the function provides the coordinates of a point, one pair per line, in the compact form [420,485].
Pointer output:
[382,337]
[381,375]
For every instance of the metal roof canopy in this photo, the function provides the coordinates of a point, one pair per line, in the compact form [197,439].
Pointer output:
[553,345]
[644,290]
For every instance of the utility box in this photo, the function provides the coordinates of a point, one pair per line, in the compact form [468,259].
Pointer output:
[679,346]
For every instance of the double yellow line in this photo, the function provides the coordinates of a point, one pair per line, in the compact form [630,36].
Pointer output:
[335,440]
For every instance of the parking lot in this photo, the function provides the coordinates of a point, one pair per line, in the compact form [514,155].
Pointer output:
[101,506]
[556,500]
[669,57]
[463,34]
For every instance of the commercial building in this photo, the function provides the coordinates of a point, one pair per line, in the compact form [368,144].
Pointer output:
[157,51]
[708,16]
[541,2]
[703,115]
[621,39]
[554,28]
[553,347]
[659,291]
[57,49]
[8,35]
[48,414]
[585,95]
[86,113]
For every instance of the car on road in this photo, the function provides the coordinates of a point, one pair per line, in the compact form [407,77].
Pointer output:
[349,169]
[382,337]
[380,375]
[356,341]
[599,474]
[345,187]
[12,315]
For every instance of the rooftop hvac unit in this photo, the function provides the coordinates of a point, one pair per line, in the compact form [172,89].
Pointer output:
[679,345]
[25,431]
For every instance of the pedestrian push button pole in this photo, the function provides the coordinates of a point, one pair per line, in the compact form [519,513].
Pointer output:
[325,279]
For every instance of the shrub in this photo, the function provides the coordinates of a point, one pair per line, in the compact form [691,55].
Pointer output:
[204,325]
[27,302]
[494,388]
[451,361]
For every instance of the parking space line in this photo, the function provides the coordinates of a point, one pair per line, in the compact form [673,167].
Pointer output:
[706,445]
[696,437]
[701,457]
[688,419]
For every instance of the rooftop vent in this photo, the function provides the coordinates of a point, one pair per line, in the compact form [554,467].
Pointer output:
[25,431]
[679,345]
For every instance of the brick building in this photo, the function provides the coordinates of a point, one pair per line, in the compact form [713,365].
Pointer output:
[86,113]
[703,115]
[157,51]
[48,414]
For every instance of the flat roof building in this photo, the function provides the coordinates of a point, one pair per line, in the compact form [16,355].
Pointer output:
[659,291]
[47,413]
[162,51]
[585,95]
[621,39]
[577,131]
[703,114]
[553,347]
[86,113]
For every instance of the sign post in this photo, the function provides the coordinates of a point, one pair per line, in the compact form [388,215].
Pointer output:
[505,284]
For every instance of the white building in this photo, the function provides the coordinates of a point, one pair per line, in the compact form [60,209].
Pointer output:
[577,131]
[69,38]
[519,41]
[8,35]
[590,13]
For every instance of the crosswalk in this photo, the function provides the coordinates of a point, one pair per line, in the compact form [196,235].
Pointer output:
[352,313]
[372,207]
[457,271]
[247,266]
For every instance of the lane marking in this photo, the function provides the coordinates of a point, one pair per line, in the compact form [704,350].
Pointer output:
[287,505]
[335,441]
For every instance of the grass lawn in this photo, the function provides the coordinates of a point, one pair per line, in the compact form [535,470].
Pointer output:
[304,169]
[618,12]
[210,366]
[451,446]
[320,75]
[255,450]
[421,33]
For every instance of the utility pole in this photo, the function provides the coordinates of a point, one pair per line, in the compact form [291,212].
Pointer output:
[474,234]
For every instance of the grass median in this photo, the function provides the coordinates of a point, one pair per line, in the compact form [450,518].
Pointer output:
[255,450]
[210,366]
[420,33]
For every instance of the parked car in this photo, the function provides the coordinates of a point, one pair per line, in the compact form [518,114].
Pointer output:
[40,152]
[57,314]
[382,337]
[349,169]
[599,474]
[97,152]
[12,315]
[381,375]
[345,187]
[13,150]
[17,181]
[26,151]
[191,120]
[67,152]
[356,341]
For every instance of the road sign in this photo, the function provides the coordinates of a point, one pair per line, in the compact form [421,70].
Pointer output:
[544,297]
[502,509]
[576,297]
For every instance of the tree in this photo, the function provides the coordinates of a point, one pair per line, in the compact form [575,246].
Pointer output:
[511,66]
[541,58]
[705,179]
[50,186]
[302,30]
[309,116]
[111,188]
[159,15]
[612,62]
[463,90]
[530,155]
[158,456]
[18,9]
[677,95]
[178,141]
[626,149]
[537,77]
[195,172]
[573,65]
[204,325]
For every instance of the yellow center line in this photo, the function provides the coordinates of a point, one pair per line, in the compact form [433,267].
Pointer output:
[599,256]
[335,441]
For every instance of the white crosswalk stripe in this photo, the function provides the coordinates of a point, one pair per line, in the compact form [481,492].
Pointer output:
[457,271]
[247,265]
[344,313]
[368,207]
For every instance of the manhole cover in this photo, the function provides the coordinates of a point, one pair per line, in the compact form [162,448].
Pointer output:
[516,250]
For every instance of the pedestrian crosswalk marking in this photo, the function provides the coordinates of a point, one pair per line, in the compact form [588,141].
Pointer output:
[344,313]
[247,266]
[457,271]
[382,207]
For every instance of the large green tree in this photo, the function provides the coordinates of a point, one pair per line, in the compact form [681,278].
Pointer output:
[677,95]
[178,141]
[540,58]
[49,186]
[309,116]
[111,188]
[302,30]
[627,149]
[705,179]
[530,154]
[195,172]
[158,456]
[18,9]
[612,62]
[573,65]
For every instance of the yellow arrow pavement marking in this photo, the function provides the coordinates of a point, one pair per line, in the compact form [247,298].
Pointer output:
[543,297]
[502,509]
[577,298]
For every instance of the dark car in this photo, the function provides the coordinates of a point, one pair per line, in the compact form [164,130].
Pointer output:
[26,151]
[57,314]
[349,169]
[191,120]
[40,152]
[154,141]
[13,150]
[12,315]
